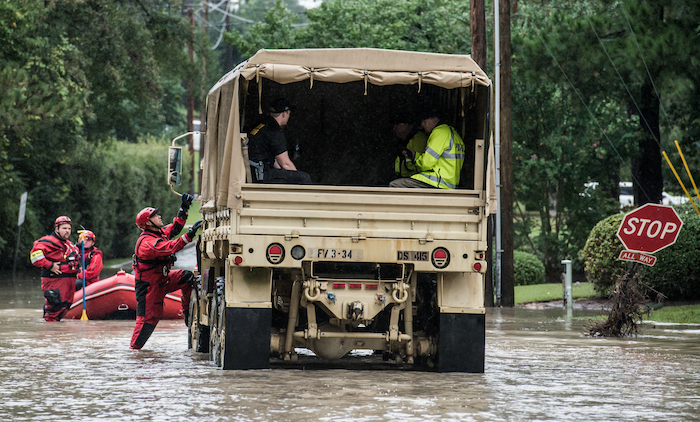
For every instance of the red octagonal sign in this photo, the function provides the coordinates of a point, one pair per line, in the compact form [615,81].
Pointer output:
[650,228]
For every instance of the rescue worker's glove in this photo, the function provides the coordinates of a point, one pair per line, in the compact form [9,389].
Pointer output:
[186,201]
[193,230]
[185,206]
[182,214]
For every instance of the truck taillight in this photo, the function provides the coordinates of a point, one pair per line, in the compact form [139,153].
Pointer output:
[440,257]
[238,260]
[275,253]
[477,266]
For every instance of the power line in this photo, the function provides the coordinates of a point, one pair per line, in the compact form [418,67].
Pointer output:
[591,114]
[624,84]
[634,37]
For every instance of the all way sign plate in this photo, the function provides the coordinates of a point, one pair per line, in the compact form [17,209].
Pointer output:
[638,257]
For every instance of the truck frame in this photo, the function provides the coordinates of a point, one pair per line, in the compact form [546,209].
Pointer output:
[347,263]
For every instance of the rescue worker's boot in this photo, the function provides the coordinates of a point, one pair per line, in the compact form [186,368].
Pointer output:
[53,307]
[141,335]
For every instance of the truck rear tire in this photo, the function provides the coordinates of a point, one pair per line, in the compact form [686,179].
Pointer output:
[246,338]
[462,343]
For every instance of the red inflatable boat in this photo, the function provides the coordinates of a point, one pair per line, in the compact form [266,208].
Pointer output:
[115,298]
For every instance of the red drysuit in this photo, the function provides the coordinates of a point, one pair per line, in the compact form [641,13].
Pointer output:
[58,288]
[153,258]
[93,266]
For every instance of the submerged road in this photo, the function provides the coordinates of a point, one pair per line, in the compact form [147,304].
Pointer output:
[539,367]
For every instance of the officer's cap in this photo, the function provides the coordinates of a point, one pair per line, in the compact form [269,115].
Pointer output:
[280,105]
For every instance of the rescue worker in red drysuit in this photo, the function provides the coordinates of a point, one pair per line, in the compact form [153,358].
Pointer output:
[154,255]
[59,260]
[93,259]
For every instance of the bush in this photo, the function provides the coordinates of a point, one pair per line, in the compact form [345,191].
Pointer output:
[674,274]
[676,271]
[528,269]
[600,254]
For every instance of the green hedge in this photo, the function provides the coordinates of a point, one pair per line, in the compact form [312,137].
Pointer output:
[102,186]
[675,272]
[528,269]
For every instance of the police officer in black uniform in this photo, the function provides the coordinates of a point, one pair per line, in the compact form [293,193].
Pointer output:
[267,149]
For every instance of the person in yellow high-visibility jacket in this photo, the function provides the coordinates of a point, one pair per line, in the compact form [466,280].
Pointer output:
[441,163]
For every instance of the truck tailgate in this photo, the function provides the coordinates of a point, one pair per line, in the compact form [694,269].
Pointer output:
[349,211]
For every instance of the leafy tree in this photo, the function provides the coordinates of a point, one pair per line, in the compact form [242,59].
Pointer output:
[42,110]
[275,32]
[432,25]
[77,71]
[130,51]
[257,9]
[561,53]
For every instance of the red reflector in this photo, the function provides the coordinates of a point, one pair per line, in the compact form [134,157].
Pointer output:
[477,266]
[440,254]
[237,260]
[371,286]
[275,250]
[355,286]
[338,285]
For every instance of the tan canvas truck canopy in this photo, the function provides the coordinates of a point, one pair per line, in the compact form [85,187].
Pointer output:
[223,169]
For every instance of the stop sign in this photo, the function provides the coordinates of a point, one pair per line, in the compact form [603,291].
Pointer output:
[650,228]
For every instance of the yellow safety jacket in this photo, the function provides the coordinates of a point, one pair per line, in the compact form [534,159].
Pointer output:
[405,167]
[442,161]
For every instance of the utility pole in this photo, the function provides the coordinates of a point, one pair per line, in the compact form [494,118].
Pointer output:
[497,136]
[190,94]
[507,274]
[228,51]
[203,94]
[478,33]
[478,53]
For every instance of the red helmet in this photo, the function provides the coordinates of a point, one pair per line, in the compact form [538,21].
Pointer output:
[85,235]
[62,220]
[144,216]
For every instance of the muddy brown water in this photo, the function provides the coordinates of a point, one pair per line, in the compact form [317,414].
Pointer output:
[539,367]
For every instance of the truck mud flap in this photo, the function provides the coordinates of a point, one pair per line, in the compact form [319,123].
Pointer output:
[247,342]
[462,343]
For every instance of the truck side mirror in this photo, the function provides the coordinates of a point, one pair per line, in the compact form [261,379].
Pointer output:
[175,166]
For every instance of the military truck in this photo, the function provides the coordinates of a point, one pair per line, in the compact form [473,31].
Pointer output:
[348,263]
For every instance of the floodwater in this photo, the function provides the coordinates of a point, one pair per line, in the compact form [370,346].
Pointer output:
[539,367]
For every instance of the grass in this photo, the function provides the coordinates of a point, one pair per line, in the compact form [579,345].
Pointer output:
[551,291]
[685,314]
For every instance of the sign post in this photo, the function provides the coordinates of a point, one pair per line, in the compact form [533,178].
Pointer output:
[20,220]
[647,230]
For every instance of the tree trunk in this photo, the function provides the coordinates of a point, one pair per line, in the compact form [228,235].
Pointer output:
[478,33]
[507,229]
[647,167]
[228,50]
